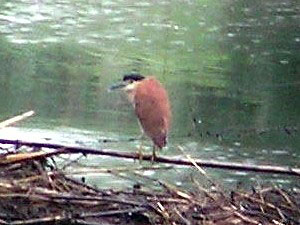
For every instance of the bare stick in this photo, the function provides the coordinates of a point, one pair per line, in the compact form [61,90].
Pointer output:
[113,153]
[15,119]
[45,220]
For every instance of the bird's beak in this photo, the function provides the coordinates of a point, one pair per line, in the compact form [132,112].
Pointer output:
[120,85]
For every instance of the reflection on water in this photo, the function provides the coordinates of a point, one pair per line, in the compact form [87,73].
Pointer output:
[231,68]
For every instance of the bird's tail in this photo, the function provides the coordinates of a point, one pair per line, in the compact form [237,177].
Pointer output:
[160,141]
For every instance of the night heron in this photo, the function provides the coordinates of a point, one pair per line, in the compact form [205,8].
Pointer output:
[151,104]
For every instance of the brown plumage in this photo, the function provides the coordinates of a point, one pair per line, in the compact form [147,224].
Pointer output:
[152,107]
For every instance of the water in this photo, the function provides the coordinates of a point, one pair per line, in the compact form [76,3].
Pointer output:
[231,69]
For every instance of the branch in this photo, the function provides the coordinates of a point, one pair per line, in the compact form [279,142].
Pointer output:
[15,119]
[113,153]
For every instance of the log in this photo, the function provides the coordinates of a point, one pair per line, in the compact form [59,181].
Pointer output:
[61,149]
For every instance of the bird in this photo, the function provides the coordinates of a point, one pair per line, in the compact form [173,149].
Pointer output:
[151,105]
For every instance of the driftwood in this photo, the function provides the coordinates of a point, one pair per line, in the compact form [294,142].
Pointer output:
[61,149]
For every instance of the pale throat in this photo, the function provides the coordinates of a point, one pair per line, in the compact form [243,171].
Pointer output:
[130,91]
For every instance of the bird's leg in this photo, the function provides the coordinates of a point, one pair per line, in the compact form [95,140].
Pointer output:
[142,135]
[140,151]
[153,158]
[142,138]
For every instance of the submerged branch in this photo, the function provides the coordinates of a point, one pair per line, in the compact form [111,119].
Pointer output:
[61,149]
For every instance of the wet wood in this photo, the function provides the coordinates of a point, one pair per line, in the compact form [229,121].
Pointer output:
[61,149]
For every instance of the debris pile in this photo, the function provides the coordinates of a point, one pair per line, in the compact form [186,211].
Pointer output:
[34,190]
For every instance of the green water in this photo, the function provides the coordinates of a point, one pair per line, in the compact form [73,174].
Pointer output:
[232,70]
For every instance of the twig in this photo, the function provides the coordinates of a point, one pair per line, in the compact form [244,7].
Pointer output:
[246,218]
[184,220]
[7,159]
[259,201]
[15,119]
[113,212]
[286,197]
[202,171]
[168,187]
[3,222]
[40,220]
